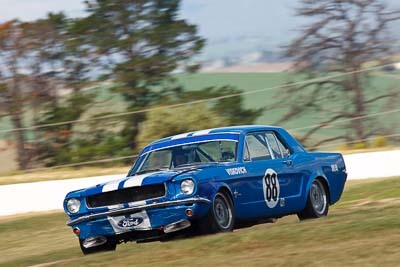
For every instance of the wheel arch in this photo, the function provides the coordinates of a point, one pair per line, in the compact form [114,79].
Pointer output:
[219,186]
[325,183]
[203,224]
[225,189]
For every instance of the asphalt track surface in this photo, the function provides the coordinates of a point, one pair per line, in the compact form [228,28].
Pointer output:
[49,195]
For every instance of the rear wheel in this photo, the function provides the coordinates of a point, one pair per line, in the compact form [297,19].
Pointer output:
[110,245]
[317,202]
[221,217]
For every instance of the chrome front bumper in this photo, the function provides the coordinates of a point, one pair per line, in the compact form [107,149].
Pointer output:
[138,208]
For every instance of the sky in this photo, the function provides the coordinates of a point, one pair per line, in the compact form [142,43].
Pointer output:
[228,25]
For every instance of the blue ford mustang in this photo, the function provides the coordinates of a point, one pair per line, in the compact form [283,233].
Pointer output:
[209,180]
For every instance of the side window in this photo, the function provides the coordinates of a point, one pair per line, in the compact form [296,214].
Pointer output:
[246,154]
[273,143]
[218,150]
[257,147]
[284,149]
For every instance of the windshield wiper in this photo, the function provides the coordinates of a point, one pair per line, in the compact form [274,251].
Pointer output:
[151,170]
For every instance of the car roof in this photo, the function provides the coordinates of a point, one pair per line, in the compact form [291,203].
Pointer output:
[241,129]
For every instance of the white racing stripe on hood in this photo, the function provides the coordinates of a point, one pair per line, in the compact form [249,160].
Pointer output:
[111,186]
[136,180]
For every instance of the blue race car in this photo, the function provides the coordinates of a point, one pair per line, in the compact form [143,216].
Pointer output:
[209,180]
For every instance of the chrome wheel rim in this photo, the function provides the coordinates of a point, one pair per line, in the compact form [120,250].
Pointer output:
[318,197]
[222,212]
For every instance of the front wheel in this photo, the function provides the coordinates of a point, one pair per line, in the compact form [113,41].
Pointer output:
[221,217]
[317,202]
[109,245]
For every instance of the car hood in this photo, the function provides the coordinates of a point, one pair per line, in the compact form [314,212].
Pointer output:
[156,177]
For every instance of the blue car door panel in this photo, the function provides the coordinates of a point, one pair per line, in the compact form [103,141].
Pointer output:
[272,180]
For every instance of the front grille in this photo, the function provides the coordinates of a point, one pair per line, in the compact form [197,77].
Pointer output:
[126,195]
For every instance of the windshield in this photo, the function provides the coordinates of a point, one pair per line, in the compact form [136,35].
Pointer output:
[189,154]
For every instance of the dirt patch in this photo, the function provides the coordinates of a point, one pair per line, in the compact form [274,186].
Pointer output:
[26,215]
[58,263]
[377,203]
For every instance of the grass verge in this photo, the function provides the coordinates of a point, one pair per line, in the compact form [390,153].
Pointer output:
[363,229]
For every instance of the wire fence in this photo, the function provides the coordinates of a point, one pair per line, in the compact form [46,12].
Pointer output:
[337,144]
[78,164]
[320,79]
[376,114]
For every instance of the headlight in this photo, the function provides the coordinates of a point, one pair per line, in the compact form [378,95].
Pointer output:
[73,205]
[187,186]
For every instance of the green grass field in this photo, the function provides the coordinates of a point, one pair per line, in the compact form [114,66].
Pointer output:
[363,229]
[247,82]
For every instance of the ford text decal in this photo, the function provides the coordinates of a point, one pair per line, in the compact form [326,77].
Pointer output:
[130,222]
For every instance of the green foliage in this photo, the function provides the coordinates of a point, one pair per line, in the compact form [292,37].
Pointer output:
[360,145]
[233,108]
[138,44]
[343,147]
[218,113]
[147,36]
[103,146]
[64,144]
[339,44]
[230,108]
[54,146]
[167,122]
[73,107]
[379,141]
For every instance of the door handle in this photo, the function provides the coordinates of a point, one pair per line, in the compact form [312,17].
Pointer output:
[288,162]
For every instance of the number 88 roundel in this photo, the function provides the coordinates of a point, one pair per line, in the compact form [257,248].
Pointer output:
[271,188]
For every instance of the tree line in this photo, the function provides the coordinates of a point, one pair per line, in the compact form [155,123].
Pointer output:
[135,44]
[342,38]
[139,44]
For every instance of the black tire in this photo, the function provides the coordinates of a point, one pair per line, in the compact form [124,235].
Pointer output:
[220,217]
[317,202]
[110,245]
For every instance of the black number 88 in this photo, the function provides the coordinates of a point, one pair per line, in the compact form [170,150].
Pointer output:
[272,189]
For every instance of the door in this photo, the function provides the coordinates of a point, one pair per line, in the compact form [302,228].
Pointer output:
[288,169]
[272,179]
